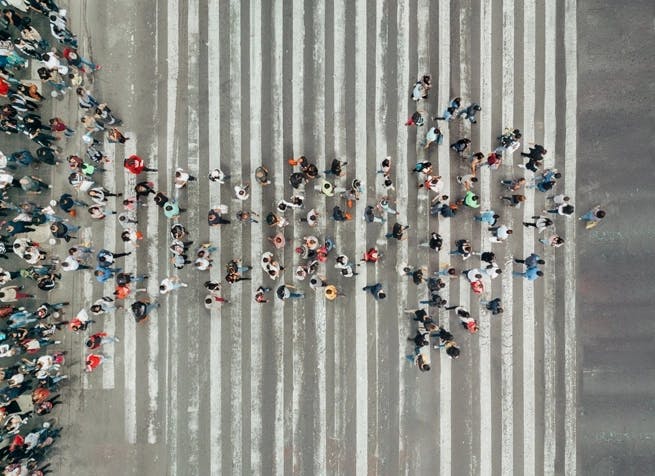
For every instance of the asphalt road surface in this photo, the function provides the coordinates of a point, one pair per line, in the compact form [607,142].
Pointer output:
[317,387]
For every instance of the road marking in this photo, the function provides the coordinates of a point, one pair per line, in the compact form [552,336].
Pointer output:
[570,344]
[381,151]
[236,432]
[339,26]
[529,435]
[403,79]
[109,242]
[172,73]
[507,369]
[193,194]
[153,272]
[215,364]
[87,293]
[484,335]
[277,150]
[464,296]
[445,383]
[298,142]
[550,131]
[153,324]
[256,239]
[320,435]
[130,324]
[361,330]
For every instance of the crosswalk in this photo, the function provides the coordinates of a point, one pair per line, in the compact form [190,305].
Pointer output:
[317,387]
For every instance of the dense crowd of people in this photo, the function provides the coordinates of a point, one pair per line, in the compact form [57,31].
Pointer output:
[32,227]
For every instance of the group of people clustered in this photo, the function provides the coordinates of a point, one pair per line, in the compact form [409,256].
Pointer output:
[429,332]
[37,32]
[29,327]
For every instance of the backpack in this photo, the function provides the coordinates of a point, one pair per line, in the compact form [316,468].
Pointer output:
[160,199]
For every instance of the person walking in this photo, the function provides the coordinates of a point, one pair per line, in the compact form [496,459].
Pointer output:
[435,242]
[531,261]
[93,361]
[398,232]
[540,223]
[99,339]
[593,217]
[470,112]
[531,274]
[169,285]
[489,217]
[13,294]
[135,165]
[494,305]
[376,291]
[285,292]
[500,233]
[565,209]
[554,240]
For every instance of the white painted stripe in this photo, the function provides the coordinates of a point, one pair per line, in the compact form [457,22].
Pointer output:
[484,334]
[278,172]
[298,141]
[404,79]
[109,242]
[152,244]
[256,238]
[191,218]
[215,365]
[507,353]
[381,151]
[529,433]
[550,130]
[172,32]
[87,293]
[445,383]
[422,226]
[129,341]
[340,122]
[464,297]
[570,343]
[236,430]
[361,330]
[320,429]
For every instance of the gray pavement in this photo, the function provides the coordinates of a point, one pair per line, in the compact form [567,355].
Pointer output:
[617,422]
[316,387]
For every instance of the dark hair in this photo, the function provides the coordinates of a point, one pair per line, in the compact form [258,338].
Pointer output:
[382,295]
[600,213]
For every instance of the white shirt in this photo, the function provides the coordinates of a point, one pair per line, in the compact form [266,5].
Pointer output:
[72,264]
[182,179]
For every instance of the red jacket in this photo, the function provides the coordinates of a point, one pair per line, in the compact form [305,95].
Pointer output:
[134,164]
[4,87]
[93,361]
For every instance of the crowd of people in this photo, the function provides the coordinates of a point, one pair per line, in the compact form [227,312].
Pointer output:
[35,224]
[430,331]
[37,31]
